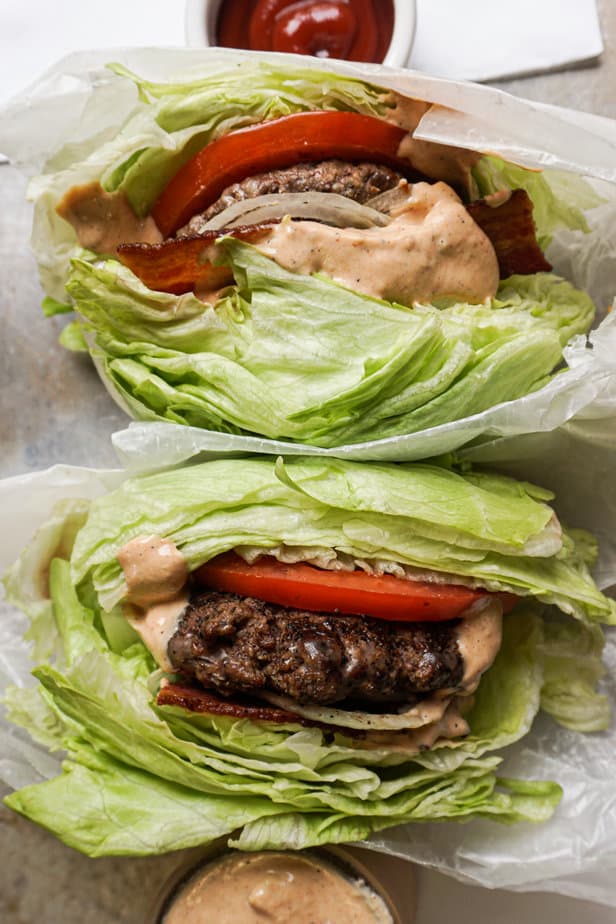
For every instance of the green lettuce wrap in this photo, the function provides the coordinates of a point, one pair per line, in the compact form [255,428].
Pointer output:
[145,775]
[297,355]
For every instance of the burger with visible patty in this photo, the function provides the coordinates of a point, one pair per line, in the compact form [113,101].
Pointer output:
[316,645]
[268,250]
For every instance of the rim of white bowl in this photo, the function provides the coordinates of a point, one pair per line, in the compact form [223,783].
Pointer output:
[200,25]
[403,36]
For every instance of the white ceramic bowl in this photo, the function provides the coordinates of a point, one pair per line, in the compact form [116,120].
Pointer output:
[201,16]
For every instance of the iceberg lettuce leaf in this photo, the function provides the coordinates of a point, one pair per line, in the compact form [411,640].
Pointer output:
[285,355]
[143,779]
[191,114]
[485,529]
[573,669]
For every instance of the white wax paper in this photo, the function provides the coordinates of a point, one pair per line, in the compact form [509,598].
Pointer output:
[487,41]
[80,99]
[570,445]
[575,852]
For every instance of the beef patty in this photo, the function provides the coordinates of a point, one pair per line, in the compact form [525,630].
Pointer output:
[355,181]
[235,644]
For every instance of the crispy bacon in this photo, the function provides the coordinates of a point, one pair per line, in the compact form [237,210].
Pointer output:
[183,264]
[196,699]
[511,230]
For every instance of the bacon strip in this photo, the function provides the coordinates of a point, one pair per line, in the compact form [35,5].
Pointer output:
[511,230]
[196,699]
[183,264]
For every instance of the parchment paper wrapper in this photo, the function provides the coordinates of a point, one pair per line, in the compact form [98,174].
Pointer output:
[79,100]
[575,852]
[563,436]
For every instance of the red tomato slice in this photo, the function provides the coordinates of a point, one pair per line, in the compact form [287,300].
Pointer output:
[304,136]
[354,592]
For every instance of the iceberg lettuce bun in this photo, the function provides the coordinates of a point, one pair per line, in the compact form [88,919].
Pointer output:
[269,250]
[306,650]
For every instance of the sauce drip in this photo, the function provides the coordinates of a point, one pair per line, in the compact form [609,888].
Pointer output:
[102,221]
[479,640]
[154,568]
[157,593]
[451,724]
[355,30]
[156,624]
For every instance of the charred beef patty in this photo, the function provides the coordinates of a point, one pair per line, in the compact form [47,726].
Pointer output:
[355,181]
[235,644]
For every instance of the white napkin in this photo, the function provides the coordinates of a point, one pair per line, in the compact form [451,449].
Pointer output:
[463,39]
[34,34]
[488,39]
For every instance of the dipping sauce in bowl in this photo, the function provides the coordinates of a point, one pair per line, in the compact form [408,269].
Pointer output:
[275,888]
[357,30]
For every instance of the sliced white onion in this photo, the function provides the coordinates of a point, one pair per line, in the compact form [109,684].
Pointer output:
[391,199]
[424,713]
[329,208]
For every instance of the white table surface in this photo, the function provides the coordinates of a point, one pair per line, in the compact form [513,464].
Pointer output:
[43,391]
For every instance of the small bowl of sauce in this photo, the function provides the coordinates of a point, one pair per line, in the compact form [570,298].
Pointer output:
[328,886]
[376,31]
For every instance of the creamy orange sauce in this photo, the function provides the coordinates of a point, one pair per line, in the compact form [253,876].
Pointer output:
[275,888]
[103,220]
[154,569]
[431,249]
[440,161]
[157,595]
[429,711]
[479,639]
[156,624]
[452,724]
[437,161]
[406,111]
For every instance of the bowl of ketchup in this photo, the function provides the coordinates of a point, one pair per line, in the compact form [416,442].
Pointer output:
[377,31]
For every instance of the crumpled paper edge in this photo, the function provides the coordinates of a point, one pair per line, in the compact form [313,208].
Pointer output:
[486,119]
[39,119]
[591,376]
[558,856]
[66,103]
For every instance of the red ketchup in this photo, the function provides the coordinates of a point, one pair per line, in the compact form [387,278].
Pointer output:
[357,30]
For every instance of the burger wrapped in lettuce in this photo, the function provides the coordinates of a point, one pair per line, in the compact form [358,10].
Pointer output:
[302,651]
[268,250]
